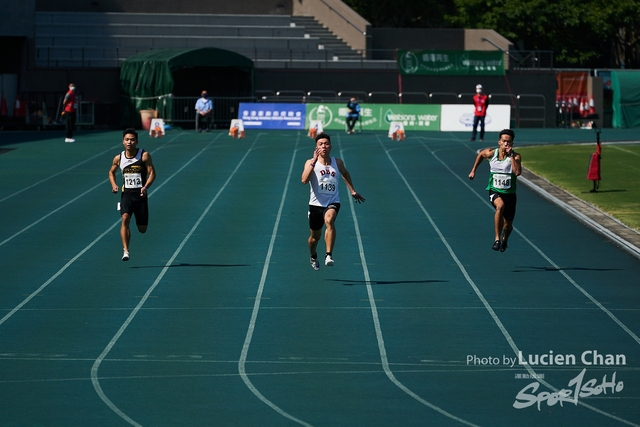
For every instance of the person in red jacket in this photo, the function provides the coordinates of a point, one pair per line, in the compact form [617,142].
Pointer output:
[480,105]
[69,111]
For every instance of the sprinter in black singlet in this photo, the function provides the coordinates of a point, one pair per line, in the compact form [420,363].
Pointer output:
[138,173]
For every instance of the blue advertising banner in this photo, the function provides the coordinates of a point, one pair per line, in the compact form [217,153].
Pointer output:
[272,116]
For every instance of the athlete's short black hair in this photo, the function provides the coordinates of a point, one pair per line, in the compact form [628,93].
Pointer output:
[323,135]
[132,131]
[507,132]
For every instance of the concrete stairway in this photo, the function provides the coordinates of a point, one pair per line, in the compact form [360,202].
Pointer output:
[328,41]
[67,39]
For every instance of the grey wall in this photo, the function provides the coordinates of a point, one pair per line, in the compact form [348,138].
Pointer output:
[386,40]
[17,18]
[253,7]
[16,27]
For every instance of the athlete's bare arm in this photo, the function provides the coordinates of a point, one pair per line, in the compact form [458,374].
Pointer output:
[346,176]
[487,153]
[112,173]
[308,167]
[151,172]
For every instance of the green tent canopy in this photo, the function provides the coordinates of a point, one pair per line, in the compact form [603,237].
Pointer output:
[147,79]
[626,99]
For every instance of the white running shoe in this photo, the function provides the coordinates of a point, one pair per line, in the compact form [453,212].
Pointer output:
[125,256]
[69,140]
[328,261]
[315,264]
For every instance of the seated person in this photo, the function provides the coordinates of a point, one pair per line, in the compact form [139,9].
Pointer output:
[204,112]
[353,114]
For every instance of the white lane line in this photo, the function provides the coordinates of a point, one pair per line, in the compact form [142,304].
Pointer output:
[256,306]
[96,365]
[488,307]
[59,173]
[70,201]
[55,276]
[376,322]
[8,239]
[629,247]
[549,260]
[323,308]
[72,260]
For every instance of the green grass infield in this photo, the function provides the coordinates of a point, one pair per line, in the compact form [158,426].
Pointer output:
[566,166]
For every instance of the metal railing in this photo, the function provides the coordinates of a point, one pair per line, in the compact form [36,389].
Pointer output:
[181,109]
[53,57]
[344,96]
[511,100]
[525,108]
[344,17]
[528,107]
[374,96]
[322,96]
[435,96]
[402,97]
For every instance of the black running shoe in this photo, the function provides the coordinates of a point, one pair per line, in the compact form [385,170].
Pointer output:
[496,245]
[503,246]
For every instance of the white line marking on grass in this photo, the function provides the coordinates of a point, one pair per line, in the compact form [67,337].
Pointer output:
[492,313]
[376,321]
[94,369]
[256,307]
[626,151]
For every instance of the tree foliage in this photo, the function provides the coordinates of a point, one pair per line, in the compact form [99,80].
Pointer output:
[581,33]
[618,22]
[557,25]
[404,13]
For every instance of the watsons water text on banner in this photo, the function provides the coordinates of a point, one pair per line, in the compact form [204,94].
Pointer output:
[415,117]
[272,116]
[451,62]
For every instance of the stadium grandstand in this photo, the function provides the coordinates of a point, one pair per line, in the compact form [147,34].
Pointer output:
[247,50]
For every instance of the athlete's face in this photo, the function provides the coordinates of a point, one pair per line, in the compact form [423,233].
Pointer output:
[505,142]
[129,141]
[323,145]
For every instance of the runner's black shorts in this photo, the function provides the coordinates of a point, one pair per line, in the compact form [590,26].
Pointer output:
[132,203]
[509,199]
[316,215]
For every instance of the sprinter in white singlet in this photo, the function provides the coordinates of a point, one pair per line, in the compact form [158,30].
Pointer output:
[505,165]
[323,173]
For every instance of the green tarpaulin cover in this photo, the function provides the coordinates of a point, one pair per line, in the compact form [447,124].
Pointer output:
[146,79]
[626,99]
